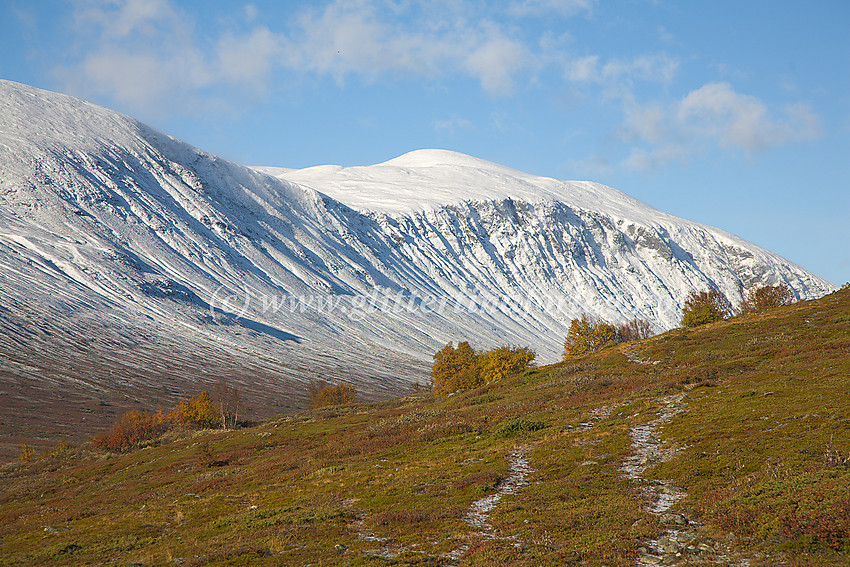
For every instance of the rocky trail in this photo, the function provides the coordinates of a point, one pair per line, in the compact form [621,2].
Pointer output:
[670,547]
[477,516]
[479,511]
[681,541]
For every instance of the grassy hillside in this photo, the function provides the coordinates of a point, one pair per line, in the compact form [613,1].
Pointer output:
[728,443]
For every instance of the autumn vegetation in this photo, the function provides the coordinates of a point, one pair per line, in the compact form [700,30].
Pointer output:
[463,368]
[321,394]
[588,335]
[711,306]
[766,297]
[136,427]
[705,307]
[760,446]
[634,330]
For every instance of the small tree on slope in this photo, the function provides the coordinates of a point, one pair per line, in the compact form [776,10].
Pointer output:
[705,307]
[586,336]
[765,297]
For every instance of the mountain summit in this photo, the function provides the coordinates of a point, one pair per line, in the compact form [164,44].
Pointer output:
[129,258]
[429,179]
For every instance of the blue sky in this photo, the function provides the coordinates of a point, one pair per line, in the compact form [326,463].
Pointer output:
[734,114]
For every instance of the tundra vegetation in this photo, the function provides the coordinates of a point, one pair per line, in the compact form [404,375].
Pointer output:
[761,449]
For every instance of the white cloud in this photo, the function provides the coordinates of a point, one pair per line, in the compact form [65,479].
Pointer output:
[346,38]
[148,54]
[120,19]
[656,67]
[142,53]
[615,73]
[250,12]
[641,159]
[714,115]
[583,69]
[249,58]
[359,39]
[495,61]
[452,125]
[648,123]
[140,79]
[716,111]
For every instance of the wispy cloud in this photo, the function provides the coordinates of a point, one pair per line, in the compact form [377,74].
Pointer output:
[617,76]
[368,39]
[150,56]
[248,58]
[141,53]
[495,59]
[122,19]
[714,115]
[147,53]
[453,125]
[717,112]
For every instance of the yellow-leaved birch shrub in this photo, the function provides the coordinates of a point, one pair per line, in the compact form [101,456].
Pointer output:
[504,361]
[705,307]
[586,336]
[464,368]
[323,395]
[199,412]
[454,369]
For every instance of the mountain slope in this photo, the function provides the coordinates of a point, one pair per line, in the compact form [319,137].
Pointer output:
[725,444]
[129,258]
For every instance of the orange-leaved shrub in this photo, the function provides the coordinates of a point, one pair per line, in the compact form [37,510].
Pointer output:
[322,394]
[765,297]
[133,428]
[137,426]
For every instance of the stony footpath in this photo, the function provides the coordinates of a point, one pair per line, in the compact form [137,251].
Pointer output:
[681,541]
[479,511]
[478,514]
[670,547]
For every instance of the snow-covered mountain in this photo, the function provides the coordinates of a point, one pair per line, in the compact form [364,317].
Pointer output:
[544,250]
[116,235]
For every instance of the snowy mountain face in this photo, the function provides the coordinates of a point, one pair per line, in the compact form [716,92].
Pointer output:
[544,251]
[130,253]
